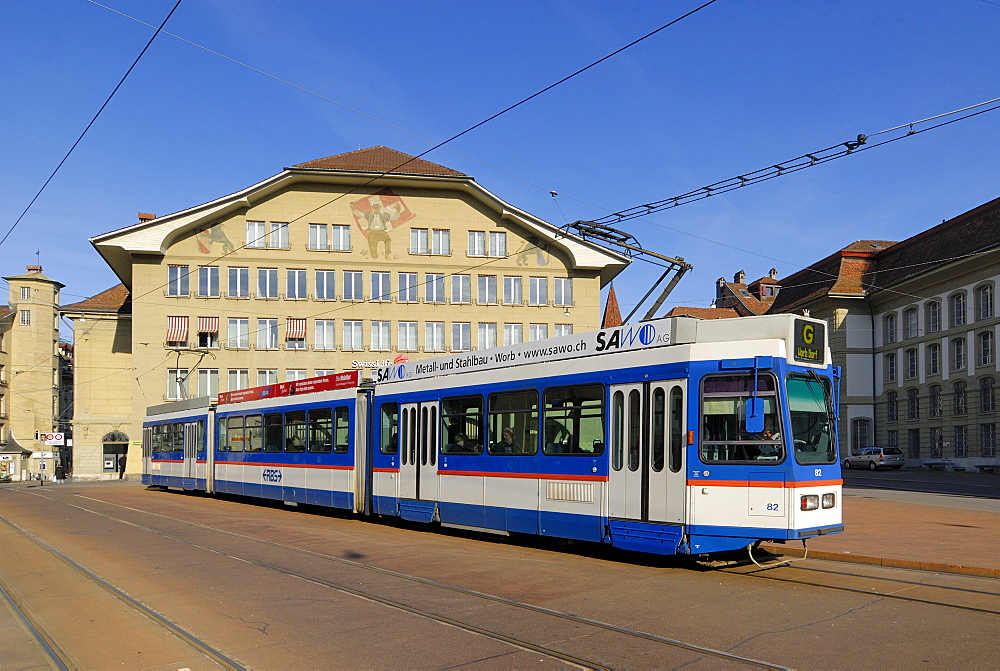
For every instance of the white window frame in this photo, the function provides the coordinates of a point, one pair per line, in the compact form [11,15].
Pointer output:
[563,291]
[267,376]
[406,337]
[277,235]
[434,337]
[486,293]
[267,333]
[538,332]
[434,287]
[498,244]
[461,337]
[477,243]
[486,336]
[319,237]
[353,335]
[267,283]
[419,241]
[178,280]
[354,285]
[208,382]
[563,330]
[208,281]
[238,282]
[237,378]
[24,317]
[296,284]
[441,242]
[381,286]
[513,334]
[325,331]
[296,374]
[340,238]
[381,338]
[512,290]
[326,285]
[177,379]
[461,289]
[238,333]
[407,288]
[538,291]
[25,293]
[256,235]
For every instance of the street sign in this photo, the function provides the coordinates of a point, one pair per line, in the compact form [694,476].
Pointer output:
[53,438]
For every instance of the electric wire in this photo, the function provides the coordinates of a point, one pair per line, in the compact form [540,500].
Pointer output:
[92,121]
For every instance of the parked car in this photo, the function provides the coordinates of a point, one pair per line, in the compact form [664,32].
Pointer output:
[875,457]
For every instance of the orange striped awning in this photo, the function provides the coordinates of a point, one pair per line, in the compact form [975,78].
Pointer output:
[208,324]
[295,329]
[177,329]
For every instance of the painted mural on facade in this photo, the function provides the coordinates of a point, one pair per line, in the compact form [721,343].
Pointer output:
[377,216]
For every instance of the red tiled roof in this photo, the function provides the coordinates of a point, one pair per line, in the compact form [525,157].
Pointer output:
[115,299]
[612,314]
[379,160]
[704,313]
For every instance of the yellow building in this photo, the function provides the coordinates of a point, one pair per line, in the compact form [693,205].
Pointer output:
[341,263]
[29,386]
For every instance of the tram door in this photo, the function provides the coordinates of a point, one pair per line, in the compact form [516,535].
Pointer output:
[648,441]
[418,451]
[192,436]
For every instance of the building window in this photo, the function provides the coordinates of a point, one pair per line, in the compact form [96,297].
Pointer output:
[911,363]
[934,359]
[354,289]
[498,244]
[177,384]
[934,401]
[961,441]
[564,330]
[890,367]
[267,376]
[340,240]
[277,236]
[891,407]
[239,334]
[434,288]
[910,323]
[406,338]
[912,404]
[408,288]
[987,398]
[25,293]
[934,316]
[958,316]
[861,431]
[177,281]
[256,235]
[477,243]
[267,334]
[318,237]
[208,332]
[208,382]
[295,374]
[988,439]
[381,341]
[487,336]
[937,442]
[913,442]
[267,235]
[267,283]
[354,337]
[419,238]
[434,337]
[24,317]
[563,291]
[958,362]
[320,372]
[986,348]
[538,331]
[381,286]
[295,333]
[208,281]
[325,334]
[239,283]
[538,291]
[295,284]
[461,289]
[513,334]
[326,285]
[239,378]
[892,438]
[441,242]
[984,301]
[177,331]
[487,290]
[889,329]
[461,337]
[512,290]
[961,402]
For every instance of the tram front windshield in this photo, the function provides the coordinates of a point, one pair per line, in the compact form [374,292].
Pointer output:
[810,409]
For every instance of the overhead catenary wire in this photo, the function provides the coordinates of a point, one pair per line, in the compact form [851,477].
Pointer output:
[93,120]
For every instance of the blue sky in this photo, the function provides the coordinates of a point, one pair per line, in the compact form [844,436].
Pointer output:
[736,87]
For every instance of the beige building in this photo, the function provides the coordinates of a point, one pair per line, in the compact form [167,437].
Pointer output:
[341,263]
[29,383]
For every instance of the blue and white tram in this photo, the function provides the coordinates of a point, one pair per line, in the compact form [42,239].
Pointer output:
[673,436]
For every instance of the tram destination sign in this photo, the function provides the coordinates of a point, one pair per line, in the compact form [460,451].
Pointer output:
[810,341]
[659,333]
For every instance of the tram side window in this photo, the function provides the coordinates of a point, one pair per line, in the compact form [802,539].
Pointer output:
[462,425]
[295,431]
[342,430]
[676,428]
[222,435]
[724,438]
[574,420]
[514,422]
[200,440]
[236,437]
[156,438]
[252,434]
[273,431]
[320,429]
[389,429]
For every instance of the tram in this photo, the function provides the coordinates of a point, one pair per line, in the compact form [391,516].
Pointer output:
[675,436]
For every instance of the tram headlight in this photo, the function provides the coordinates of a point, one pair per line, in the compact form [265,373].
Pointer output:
[809,502]
[829,500]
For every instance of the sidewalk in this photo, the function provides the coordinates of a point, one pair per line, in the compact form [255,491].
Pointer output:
[950,533]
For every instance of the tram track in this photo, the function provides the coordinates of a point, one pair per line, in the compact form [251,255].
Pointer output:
[795,574]
[45,645]
[515,641]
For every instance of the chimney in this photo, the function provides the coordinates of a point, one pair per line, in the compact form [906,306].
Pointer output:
[146,216]
[740,278]
[773,273]
[34,269]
